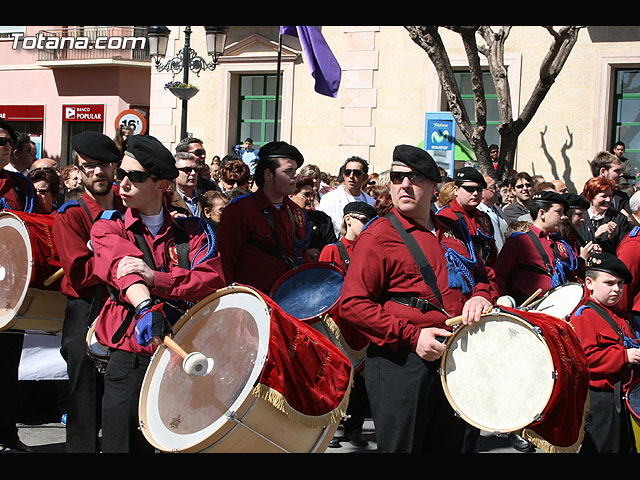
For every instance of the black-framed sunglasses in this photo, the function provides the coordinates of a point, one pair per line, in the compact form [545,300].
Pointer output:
[5,140]
[472,189]
[355,171]
[523,185]
[413,176]
[136,176]
[199,152]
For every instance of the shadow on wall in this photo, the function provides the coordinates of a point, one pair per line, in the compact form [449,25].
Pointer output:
[566,175]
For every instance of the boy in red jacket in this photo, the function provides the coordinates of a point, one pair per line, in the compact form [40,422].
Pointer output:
[608,336]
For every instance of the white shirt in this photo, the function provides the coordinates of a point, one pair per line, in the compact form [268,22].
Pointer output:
[332,203]
[153,222]
[498,222]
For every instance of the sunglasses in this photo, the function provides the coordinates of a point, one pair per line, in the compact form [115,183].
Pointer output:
[199,152]
[4,141]
[136,176]
[522,185]
[471,189]
[349,171]
[188,170]
[413,176]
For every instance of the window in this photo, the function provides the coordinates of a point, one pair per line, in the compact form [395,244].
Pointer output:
[257,109]
[491,99]
[626,115]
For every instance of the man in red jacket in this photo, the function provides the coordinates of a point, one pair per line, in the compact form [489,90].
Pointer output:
[264,234]
[403,313]
[95,157]
[139,257]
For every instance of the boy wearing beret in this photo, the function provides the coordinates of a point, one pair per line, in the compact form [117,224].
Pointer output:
[608,336]
[138,257]
[540,258]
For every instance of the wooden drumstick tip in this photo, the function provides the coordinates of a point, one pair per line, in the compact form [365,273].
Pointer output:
[54,277]
[531,298]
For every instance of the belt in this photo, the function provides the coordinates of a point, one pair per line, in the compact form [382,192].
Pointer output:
[421,304]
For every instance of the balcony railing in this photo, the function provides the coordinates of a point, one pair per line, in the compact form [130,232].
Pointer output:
[94,43]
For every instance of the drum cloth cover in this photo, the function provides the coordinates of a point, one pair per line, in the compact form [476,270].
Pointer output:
[562,425]
[305,375]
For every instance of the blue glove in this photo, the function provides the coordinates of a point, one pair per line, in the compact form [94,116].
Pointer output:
[150,322]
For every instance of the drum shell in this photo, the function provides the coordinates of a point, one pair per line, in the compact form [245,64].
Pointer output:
[28,257]
[232,431]
[562,301]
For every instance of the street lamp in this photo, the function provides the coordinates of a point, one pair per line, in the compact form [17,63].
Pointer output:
[188,59]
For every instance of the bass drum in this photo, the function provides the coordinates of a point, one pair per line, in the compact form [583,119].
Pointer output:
[516,369]
[28,257]
[274,385]
[562,301]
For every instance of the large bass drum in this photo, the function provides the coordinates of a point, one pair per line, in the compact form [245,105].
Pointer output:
[562,301]
[514,370]
[28,257]
[274,385]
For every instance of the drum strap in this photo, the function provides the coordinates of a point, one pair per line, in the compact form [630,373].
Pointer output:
[344,255]
[418,256]
[604,314]
[275,250]
[182,249]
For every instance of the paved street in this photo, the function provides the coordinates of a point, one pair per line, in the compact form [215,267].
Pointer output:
[50,438]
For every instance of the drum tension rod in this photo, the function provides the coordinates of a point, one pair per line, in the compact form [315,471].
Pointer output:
[233,416]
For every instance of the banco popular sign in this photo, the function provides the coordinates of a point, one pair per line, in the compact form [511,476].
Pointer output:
[83,113]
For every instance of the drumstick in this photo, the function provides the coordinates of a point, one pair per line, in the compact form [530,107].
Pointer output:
[195,364]
[531,298]
[54,277]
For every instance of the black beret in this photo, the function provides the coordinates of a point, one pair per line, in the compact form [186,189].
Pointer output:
[9,128]
[96,146]
[281,150]
[363,208]
[607,262]
[153,156]
[550,196]
[418,160]
[469,174]
[576,201]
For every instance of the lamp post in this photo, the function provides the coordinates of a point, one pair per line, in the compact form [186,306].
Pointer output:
[188,59]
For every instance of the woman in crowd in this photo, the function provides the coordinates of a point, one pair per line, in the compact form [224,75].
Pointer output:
[47,185]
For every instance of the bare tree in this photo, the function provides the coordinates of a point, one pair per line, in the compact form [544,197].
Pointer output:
[428,38]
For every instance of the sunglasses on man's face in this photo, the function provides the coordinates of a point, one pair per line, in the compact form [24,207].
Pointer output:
[349,171]
[414,177]
[5,140]
[472,189]
[188,170]
[199,152]
[136,176]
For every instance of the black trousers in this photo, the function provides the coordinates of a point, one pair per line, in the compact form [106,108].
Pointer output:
[409,408]
[10,352]
[358,407]
[122,384]
[86,383]
[606,430]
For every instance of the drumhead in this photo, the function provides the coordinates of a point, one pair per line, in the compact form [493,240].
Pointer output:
[498,374]
[561,301]
[180,411]
[309,291]
[16,264]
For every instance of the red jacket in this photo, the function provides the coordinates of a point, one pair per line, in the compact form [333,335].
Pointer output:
[629,252]
[114,239]
[606,354]
[243,225]
[381,267]
[331,254]
[71,232]
[9,182]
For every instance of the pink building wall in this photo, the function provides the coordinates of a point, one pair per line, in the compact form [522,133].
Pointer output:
[25,82]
